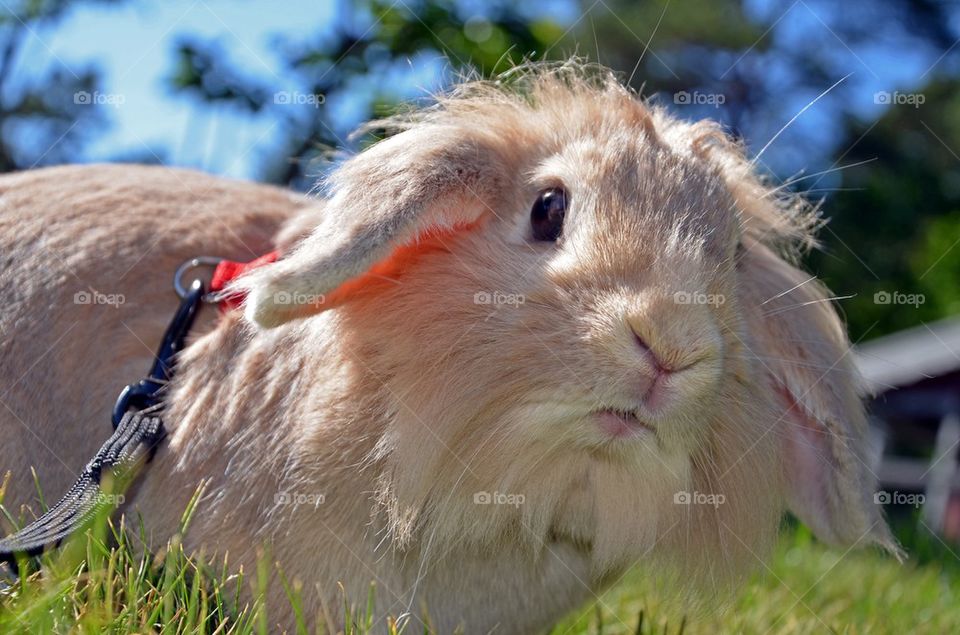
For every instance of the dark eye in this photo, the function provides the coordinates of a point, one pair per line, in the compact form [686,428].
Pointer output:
[546,216]
[738,254]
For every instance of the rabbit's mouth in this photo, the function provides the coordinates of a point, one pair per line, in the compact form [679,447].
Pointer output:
[619,424]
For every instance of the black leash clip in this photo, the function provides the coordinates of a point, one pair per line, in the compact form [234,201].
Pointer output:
[143,394]
[138,430]
[135,440]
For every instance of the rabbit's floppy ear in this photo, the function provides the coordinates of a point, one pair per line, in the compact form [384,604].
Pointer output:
[800,342]
[401,197]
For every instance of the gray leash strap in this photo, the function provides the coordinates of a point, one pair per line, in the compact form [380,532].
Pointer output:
[137,431]
[132,444]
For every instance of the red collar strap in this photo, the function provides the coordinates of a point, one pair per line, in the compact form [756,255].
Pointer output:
[390,268]
[228,270]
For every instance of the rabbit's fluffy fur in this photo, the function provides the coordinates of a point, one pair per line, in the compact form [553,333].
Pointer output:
[357,442]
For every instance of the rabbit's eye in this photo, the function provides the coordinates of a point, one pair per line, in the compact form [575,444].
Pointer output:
[739,253]
[546,216]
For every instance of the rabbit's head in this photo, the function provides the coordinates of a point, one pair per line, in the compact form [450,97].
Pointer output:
[584,324]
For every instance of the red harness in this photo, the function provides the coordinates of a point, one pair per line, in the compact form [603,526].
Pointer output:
[227,270]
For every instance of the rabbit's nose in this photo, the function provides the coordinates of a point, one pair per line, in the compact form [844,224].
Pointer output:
[671,369]
[653,383]
[671,339]
[659,363]
[652,358]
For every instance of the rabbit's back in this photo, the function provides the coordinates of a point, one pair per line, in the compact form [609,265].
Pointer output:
[88,254]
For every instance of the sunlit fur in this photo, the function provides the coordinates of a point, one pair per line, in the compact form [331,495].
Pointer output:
[402,404]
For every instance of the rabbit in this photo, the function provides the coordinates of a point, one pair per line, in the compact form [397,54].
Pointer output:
[541,334]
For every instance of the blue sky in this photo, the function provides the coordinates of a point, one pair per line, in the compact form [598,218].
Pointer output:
[133,45]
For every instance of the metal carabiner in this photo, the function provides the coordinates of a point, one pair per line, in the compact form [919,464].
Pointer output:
[143,393]
[193,263]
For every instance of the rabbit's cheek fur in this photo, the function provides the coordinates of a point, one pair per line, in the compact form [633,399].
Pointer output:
[508,406]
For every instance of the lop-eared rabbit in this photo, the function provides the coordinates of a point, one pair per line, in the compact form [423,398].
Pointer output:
[542,333]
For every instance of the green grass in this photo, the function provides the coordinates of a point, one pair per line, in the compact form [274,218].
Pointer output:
[90,587]
[807,588]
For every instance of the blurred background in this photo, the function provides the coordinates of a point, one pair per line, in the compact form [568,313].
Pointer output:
[853,103]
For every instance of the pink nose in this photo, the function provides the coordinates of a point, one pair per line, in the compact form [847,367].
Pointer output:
[652,389]
[650,356]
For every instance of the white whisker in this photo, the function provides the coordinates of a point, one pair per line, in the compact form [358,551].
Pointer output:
[796,116]
[803,304]
[793,181]
[793,288]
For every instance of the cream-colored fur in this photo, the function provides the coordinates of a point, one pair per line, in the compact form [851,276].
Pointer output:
[355,442]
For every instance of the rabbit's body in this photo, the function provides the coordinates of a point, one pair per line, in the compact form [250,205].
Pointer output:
[123,230]
[295,473]
[68,233]
[507,406]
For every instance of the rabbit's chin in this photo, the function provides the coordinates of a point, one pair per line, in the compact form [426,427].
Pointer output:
[601,481]
[619,490]
[614,505]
